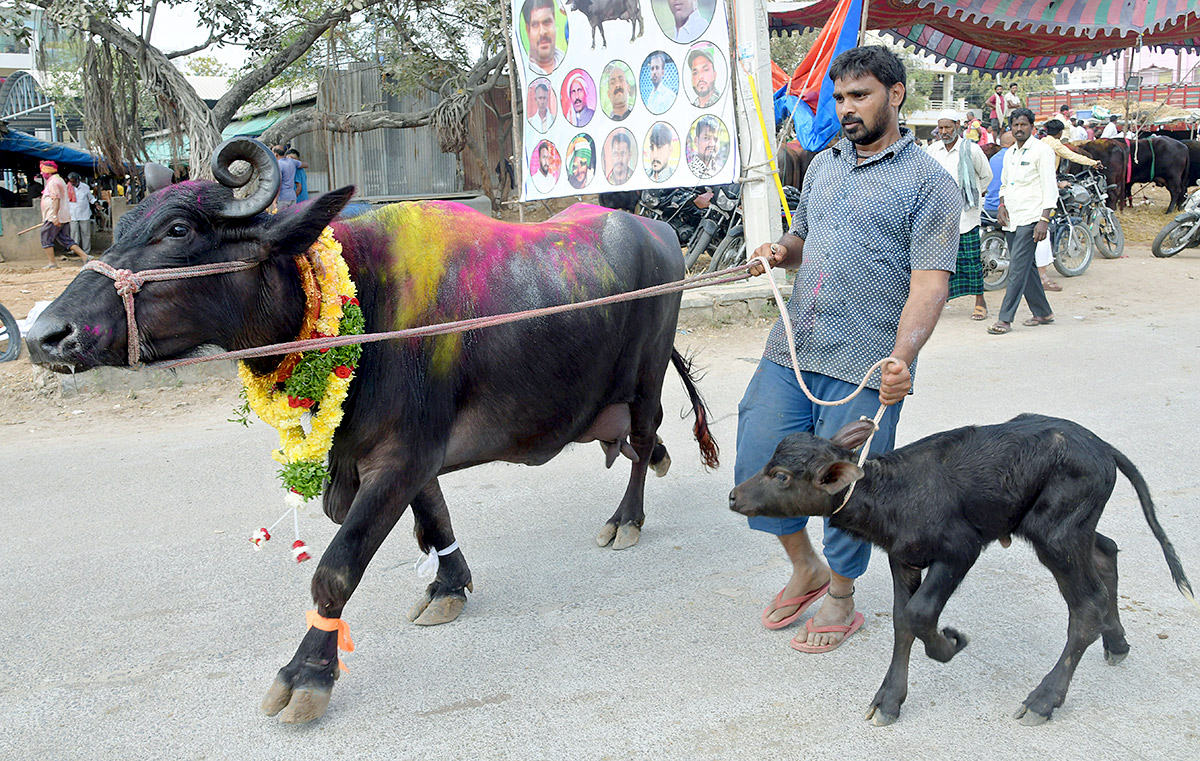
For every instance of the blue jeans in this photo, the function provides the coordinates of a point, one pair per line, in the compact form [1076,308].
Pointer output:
[774,406]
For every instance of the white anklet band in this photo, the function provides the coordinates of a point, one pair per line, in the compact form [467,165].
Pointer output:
[427,565]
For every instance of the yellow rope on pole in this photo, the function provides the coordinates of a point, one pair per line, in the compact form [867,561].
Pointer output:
[762,124]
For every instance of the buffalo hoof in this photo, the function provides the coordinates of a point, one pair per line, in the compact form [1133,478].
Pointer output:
[662,466]
[880,717]
[627,536]
[1114,658]
[296,705]
[431,611]
[1030,718]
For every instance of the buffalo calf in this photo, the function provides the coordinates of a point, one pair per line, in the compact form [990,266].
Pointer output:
[935,504]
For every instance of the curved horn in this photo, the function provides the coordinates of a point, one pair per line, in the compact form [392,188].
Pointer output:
[157,177]
[262,165]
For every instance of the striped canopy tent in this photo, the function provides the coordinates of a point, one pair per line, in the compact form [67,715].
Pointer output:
[1010,36]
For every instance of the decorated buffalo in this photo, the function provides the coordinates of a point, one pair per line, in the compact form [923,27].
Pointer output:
[414,408]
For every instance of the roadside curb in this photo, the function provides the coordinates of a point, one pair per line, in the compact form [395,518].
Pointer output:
[729,304]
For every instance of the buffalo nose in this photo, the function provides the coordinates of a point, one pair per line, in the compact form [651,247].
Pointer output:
[733,500]
[46,336]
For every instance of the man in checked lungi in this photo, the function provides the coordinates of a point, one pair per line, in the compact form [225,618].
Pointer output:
[970,169]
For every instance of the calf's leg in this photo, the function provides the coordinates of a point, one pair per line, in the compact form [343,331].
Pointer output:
[926,605]
[446,595]
[302,688]
[1088,607]
[885,707]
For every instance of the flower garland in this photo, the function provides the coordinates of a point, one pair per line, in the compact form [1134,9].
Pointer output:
[315,385]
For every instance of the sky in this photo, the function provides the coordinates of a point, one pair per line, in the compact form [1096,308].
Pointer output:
[178,28]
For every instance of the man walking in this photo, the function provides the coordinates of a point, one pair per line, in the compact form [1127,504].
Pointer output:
[56,215]
[287,179]
[999,103]
[80,200]
[1028,195]
[969,167]
[875,240]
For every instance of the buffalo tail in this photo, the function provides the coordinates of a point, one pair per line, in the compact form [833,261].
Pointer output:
[709,451]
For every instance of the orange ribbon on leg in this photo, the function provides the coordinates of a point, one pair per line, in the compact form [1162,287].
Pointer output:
[316,621]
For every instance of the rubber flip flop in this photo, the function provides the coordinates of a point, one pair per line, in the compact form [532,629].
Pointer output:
[1035,321]
[1050,285]
[804,647]
[999,330]
[980,313]
[803,601]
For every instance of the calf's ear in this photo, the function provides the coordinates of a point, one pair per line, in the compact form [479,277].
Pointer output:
[837,476]
[852,435]
[295,229]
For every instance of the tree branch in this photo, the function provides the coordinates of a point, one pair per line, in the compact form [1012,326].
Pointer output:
[195,48]
[260,77]
[150,22]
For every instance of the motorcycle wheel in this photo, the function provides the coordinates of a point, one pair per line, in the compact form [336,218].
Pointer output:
[1073,251]
[10,336]
[732,251]
[1107,233]
[1171,240]
[993,255]
[696,246]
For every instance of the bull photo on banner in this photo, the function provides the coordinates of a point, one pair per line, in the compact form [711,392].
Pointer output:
[624,95]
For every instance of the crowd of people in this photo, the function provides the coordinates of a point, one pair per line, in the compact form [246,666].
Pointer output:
[1017,187]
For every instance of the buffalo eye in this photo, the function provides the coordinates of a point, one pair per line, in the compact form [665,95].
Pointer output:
[178,231]
[781,476]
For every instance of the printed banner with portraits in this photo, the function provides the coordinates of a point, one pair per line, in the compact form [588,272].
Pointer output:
[624,95]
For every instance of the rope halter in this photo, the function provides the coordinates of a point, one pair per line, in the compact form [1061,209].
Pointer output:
[128,282]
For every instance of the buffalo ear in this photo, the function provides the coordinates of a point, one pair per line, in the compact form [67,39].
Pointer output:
[837,476]
[852,435]
[294,230]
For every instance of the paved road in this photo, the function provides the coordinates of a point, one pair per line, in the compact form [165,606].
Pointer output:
[140,624]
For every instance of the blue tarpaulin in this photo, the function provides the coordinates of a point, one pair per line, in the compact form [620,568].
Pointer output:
[29,147]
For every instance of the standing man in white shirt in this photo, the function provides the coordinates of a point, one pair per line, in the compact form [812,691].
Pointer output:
[80,200]
[1111,130]
[1028,195]
[970,169]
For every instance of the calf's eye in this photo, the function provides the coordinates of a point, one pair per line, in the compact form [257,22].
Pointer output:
[177,231]
[781,477]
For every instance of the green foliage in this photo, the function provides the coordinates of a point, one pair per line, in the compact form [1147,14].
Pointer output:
[305,478]
[788,50]
[241,413]
[311,376]
[207,66]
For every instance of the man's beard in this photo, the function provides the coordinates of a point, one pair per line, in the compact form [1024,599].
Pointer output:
[870,135]
[949,139]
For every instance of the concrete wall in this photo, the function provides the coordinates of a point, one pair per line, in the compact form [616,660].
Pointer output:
[27,248]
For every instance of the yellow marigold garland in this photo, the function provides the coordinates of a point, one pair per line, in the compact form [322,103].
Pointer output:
[318,384]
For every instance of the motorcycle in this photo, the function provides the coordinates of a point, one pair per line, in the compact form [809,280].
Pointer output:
[10,336]
[732,250]
[1101,221]
[1181,232]
[1071,239]
[690,214]
[993,252]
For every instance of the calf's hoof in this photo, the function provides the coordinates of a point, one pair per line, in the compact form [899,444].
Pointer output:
[1029,717]
[881,718]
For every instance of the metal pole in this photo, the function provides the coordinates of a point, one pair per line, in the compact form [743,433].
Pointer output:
[53,125]
[518,150]
[752,53]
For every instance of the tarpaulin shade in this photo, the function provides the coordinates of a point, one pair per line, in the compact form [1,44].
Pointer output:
[19,148]
[1019,35]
